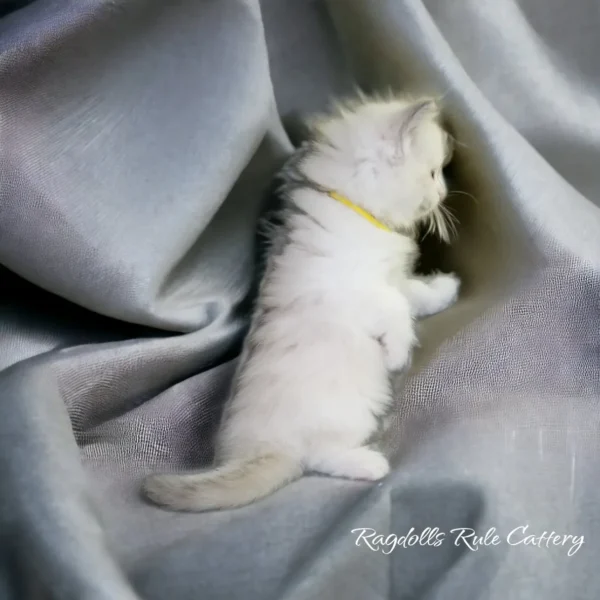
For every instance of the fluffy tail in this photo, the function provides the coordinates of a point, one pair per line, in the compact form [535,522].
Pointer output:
[232,485]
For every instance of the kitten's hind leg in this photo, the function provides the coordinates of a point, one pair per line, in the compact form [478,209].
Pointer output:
[352,463]
[431,294]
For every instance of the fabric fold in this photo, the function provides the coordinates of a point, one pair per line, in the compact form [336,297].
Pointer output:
[138,141]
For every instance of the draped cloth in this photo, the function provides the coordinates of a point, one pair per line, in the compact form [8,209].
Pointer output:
[138,141]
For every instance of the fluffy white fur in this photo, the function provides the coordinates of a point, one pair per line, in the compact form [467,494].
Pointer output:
[335,310]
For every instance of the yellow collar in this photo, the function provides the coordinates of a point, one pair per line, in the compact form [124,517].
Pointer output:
[358,210]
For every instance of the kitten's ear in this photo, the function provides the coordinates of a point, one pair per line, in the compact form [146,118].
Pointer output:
[418,113]
[413,117]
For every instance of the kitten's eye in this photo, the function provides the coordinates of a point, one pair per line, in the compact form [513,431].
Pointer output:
[433,174]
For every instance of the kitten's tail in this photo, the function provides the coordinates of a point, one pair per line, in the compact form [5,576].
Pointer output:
[232,485]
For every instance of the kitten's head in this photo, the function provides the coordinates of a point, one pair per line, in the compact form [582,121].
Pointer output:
[386,156]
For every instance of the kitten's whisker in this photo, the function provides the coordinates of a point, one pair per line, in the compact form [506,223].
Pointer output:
[451,220]
[461,193]
[446,209]
[443,96]
[449,215]
[457,142]
[447,223]
[440,222]
[431,225]
[428,222]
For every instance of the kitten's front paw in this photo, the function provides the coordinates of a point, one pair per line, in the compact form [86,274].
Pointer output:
[446,287]
[397,351]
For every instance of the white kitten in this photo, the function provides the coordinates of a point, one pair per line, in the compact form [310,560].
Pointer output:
[335,309]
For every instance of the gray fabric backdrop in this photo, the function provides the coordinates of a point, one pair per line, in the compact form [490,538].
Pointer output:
[137,141]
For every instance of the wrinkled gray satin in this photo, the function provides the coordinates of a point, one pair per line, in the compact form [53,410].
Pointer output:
[137,141]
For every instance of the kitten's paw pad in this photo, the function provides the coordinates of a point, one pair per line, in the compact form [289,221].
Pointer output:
[446,286]
[357,463]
